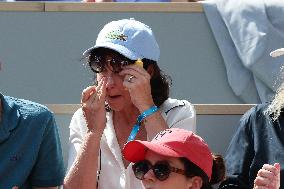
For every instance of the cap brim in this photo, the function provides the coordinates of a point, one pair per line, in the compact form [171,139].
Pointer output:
[277,52]
[136,150]
[116,47]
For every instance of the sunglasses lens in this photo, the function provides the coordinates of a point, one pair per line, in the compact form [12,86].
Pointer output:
[140,169]
[162,170]
[100,61]
[96,65]
[117,64]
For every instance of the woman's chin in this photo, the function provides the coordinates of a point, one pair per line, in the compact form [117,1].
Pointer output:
[115,106]
[116,103]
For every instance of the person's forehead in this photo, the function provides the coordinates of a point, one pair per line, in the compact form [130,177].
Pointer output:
[110,55]
[107,53]
[154,157]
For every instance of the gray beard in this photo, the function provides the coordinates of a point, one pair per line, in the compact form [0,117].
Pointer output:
[275,107]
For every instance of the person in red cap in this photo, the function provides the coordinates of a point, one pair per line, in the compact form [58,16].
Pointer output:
[175,158]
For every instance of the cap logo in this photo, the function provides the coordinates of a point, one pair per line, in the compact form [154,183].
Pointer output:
[116,35]
[162,133]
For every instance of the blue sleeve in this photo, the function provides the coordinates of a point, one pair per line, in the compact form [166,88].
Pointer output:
[49,168]
[239,156]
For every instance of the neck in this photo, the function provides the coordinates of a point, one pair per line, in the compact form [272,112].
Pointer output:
[123,122]
[128,116]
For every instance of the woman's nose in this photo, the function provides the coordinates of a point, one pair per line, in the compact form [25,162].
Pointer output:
[150,176]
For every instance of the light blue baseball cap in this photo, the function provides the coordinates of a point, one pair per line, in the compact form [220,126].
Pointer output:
[129,37]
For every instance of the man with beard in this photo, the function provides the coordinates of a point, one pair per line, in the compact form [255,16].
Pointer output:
[256,151]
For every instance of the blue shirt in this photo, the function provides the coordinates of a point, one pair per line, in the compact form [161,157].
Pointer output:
[30,150]
[258,141]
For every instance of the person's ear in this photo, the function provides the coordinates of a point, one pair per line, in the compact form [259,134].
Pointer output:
[195,183]
[150,70]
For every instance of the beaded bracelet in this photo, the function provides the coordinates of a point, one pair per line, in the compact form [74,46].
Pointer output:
[140,118]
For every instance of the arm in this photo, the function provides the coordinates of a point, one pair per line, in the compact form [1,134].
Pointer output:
[154,124]
[180,114]
[48,170]
[239,156]
[140,91]
[83,172]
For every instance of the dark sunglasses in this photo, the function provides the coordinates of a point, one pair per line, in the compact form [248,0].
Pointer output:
[161,169]
[98,64]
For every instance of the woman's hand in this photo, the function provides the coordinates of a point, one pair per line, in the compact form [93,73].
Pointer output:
[137,81]
[93,105]
[268,177]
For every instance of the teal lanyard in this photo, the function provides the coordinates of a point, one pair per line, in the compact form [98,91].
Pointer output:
[140,118]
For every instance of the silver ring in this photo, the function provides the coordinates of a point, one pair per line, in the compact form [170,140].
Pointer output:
[129,79]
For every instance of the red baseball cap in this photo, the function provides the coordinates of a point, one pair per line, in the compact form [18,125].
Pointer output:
[173,142]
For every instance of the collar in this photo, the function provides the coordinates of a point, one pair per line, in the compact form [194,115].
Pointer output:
[10,117]
[111,139]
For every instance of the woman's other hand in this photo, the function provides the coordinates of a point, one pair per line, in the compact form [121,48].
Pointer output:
[93,105]
[137,81]
[268,177]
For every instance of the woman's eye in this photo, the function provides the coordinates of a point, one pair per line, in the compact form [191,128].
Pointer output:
[124,63]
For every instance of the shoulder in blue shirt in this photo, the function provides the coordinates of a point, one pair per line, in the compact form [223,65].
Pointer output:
[30,148]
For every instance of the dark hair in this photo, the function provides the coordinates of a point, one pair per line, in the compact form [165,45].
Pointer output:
[160,82]
[218,171]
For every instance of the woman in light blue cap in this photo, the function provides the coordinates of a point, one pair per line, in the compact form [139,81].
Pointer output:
[130,101]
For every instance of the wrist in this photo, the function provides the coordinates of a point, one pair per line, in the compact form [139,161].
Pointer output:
[96,128]
[147,113]
[139,121]
[95,133]
[145,106]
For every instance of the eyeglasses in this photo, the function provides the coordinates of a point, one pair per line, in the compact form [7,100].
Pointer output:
[99,63]
[161,169]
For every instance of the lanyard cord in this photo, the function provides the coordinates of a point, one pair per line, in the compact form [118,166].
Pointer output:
[140,118]
[100,168]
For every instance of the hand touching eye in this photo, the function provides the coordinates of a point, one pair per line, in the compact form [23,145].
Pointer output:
[93,105]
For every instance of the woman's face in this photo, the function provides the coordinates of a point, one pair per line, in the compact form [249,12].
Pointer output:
[117,96]
[174,181]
